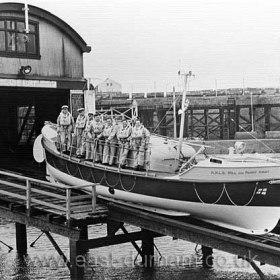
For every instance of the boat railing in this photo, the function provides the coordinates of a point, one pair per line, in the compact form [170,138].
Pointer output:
[113,153]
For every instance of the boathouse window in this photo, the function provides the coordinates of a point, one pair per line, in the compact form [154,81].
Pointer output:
[15,42]
[26,124]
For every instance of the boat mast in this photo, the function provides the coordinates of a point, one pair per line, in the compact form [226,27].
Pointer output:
[185,104]
[252,112]
[174,113]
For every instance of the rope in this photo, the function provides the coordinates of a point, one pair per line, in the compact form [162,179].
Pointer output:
[200,199]
[166,113]
[128,190]
[111,186]
[69,171]
[247,202]
[254,137]
[80,173]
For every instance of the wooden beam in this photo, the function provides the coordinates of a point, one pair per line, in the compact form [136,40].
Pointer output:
[77,261]
[21,238]
[147,248]
[40,223]
[240,246]
[57,248]
[112,240]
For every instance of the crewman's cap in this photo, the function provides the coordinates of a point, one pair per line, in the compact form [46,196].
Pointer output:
[64,107]
[81,109]
[90,114]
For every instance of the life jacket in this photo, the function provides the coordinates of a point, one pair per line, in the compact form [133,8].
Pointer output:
[124,132]
[81,121]
[107,131]
[64,119]
[97,127]
[89,125]
[137,132]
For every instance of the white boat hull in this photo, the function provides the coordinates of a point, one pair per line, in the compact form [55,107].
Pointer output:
[251,220]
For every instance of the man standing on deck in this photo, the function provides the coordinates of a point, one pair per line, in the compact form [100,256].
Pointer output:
[88,137]
[139,141]
[123,136]
[96,129]
[79,130]
[65,123]
[110,142]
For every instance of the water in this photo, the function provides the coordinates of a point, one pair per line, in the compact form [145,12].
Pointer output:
[179,260]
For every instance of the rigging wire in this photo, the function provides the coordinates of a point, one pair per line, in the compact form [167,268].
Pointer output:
[251,134]
[155,129]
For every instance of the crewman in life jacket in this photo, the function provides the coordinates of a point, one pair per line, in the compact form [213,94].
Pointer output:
[65,123]
[139,141]
[79,130]
[88,137]
[123,136]
[110,142]
[96,130]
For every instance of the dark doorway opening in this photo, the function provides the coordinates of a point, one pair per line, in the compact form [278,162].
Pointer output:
[23,112]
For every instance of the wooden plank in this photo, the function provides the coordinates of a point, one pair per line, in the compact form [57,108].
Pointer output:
[40,182]
[21,197]
[78,203]
[81,208]
[23,187]
[54,206]
[80,197]
[113,240]
[40,223]
[48,194]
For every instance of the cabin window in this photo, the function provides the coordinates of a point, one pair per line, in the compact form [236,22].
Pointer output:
[15,42]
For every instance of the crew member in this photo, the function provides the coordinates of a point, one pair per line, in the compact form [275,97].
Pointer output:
[110,141]
[123,136]
[96,131]
[139,141]
[88,137]
[79,130]
[65,123]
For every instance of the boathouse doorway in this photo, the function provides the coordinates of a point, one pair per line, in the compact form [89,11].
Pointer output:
[23,113]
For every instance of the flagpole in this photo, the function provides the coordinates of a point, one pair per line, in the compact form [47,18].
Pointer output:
[26,17]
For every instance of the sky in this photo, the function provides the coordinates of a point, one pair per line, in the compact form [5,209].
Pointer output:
[142,44]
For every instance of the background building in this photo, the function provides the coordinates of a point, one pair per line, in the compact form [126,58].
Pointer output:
[109,86]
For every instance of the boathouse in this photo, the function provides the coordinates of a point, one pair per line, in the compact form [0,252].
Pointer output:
[41,67]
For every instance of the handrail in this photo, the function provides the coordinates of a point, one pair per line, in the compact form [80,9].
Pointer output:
[43,182]
[30,187]
[181,172]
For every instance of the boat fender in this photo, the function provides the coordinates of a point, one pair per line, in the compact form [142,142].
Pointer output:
[111,190]
[216,160]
